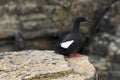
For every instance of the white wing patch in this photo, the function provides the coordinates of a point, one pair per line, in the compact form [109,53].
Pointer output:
[66,44]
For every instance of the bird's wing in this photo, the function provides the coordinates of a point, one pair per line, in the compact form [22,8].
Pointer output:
[67,41]
[66,44]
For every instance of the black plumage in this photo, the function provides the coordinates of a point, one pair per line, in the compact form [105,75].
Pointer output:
[73,41]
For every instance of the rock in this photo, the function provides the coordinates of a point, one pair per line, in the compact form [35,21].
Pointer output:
[57,14]
[38,18]
[99,63]
[80,66]
[115,74]
[41,23]
[118,31]
[44,65]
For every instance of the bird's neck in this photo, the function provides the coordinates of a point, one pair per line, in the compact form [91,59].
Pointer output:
[75,28]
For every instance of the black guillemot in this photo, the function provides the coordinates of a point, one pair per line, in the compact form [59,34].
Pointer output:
[72,42]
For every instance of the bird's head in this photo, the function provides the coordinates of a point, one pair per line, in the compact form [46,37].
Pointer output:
[81,19]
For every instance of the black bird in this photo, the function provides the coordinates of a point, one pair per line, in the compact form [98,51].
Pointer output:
[71,43]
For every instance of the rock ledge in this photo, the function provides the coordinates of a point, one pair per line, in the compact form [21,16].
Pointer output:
[44,65]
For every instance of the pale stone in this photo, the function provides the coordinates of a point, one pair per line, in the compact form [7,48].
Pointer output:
[43,65]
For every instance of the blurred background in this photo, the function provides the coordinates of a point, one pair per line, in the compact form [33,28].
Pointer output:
[40,24]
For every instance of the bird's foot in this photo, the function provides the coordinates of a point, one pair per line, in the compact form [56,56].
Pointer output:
[73,55]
